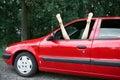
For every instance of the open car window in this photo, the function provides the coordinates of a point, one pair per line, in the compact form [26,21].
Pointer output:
[74,30]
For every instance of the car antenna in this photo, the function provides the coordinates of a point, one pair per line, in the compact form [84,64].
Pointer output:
[52,27]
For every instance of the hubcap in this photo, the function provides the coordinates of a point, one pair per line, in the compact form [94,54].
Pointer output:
[24,64]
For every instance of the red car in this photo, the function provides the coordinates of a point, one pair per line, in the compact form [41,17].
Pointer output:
[98,55]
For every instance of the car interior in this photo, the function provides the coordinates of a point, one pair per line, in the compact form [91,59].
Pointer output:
[75,30]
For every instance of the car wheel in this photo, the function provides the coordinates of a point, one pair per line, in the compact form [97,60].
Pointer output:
[25,64]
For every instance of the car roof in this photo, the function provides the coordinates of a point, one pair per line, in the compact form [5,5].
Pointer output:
[94,18]
[107,17]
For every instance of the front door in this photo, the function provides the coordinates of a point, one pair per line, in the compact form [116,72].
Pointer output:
[68,55]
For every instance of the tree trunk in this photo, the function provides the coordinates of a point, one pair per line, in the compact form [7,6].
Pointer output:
[24,32]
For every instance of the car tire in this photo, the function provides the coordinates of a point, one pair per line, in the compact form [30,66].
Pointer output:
[25,64]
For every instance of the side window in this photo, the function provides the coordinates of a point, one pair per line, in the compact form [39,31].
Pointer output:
[74,30]
[110,29]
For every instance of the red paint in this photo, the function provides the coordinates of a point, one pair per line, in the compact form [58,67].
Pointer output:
[96,50]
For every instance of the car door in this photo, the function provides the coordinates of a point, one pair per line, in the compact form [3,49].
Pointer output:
[106,48]
[68,55]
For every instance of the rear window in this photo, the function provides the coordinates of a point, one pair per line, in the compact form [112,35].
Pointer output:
[110,29]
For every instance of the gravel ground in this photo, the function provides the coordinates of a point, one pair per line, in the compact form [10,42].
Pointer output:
[8,73]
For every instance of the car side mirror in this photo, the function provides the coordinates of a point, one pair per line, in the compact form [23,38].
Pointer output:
[50,38]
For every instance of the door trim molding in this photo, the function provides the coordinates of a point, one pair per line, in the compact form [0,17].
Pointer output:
[83,61]
[67,60]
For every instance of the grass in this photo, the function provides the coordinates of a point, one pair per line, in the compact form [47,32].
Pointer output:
[1,52]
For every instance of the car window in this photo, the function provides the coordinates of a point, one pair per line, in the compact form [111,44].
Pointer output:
[74,30]
[109,33]
[110,29]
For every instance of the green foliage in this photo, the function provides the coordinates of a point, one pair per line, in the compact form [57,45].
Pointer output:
[1,52]
[9,22]
[42,15]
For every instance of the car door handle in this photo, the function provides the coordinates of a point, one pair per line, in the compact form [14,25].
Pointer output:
[81,47]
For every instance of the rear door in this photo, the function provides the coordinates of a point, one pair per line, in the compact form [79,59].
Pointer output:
[106,48]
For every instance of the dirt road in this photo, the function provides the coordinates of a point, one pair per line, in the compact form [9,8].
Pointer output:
[8,73]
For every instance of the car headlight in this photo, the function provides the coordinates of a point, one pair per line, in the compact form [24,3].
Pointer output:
[6,49]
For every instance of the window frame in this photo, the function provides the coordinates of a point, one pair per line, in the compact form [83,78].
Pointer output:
[72,22]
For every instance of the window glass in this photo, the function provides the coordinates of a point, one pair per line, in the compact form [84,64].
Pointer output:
[110,29]
[74,30]
[109,33]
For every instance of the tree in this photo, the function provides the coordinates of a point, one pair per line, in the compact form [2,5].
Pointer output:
[9,22]
[39,15]
[24,32]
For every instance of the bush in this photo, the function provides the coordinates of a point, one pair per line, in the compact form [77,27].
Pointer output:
[1,52]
